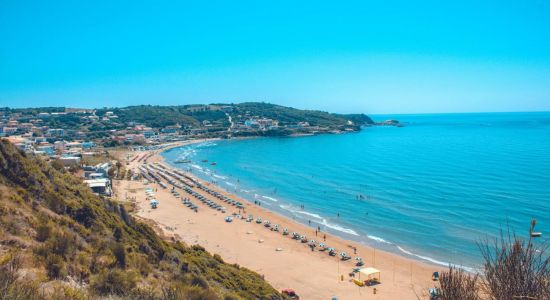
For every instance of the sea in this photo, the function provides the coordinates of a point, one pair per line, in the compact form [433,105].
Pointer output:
[432,190]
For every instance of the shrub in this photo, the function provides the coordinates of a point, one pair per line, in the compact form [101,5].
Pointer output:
[61,243]
[43,232]
[516,269]
[120,254]
[199,281]
[177,292]
[457,284]
[55,266]
[218,258]
[114,282]
[11,287]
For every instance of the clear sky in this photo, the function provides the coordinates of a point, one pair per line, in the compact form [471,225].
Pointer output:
[342,56]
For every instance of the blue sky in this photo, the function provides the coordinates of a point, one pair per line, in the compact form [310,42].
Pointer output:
[342,56]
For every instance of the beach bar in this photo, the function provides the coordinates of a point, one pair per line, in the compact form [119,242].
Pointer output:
[369,275]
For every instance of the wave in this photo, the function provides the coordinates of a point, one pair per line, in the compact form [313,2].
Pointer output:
[205,145]
[309,214]
[339,228]
[229,183]
[435,261]
[378,239]
[270,198]
[220,177]
[197,167]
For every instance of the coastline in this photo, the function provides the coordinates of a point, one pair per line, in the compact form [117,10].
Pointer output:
[239,242]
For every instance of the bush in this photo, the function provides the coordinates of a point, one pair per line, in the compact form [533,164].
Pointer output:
[43,232]
[55,266]
[11,287]
[120,254]
[218,258]
[516,269]
[457,284]
[115,282]
[61,243]
[178,292]
[198,280]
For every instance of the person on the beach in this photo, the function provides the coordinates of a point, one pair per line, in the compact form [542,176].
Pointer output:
[324,237]
[309,222]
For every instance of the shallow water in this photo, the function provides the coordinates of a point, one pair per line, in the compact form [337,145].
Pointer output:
[430,190]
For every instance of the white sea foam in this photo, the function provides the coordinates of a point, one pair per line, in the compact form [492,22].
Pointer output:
[378,239]
[435,261]
[339,228]
[270,198]
[309,214]
[220,177]
[229,183]
[197,167]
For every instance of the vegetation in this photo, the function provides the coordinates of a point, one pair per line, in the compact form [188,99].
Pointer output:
[152,115]
[187,116]
[60,241]
[513,269]
[288,115]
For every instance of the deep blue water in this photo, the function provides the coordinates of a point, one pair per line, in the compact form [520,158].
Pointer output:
[430,190]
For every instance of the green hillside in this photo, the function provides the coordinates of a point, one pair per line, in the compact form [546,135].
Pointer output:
[289,115]
[59,241]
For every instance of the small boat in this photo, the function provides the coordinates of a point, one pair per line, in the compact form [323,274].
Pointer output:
[182,161]
[213,164]
[204,160]
[536,234]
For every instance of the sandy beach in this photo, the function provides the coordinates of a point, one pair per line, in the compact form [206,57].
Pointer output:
[285,262]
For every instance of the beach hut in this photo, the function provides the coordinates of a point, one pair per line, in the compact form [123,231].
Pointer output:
[369,275]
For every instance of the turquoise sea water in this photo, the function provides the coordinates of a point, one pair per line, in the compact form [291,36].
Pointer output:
[430,190]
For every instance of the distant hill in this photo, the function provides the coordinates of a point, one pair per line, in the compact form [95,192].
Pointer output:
[192,115]
[60,241]
[289,115]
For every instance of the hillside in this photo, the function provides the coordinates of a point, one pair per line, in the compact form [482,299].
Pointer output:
[59,241]
[186,115]
[289,115]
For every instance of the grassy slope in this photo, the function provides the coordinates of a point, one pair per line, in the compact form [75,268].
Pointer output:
[58,230]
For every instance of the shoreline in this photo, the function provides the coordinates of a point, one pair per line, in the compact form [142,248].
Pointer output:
[344,233]
[402,277]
